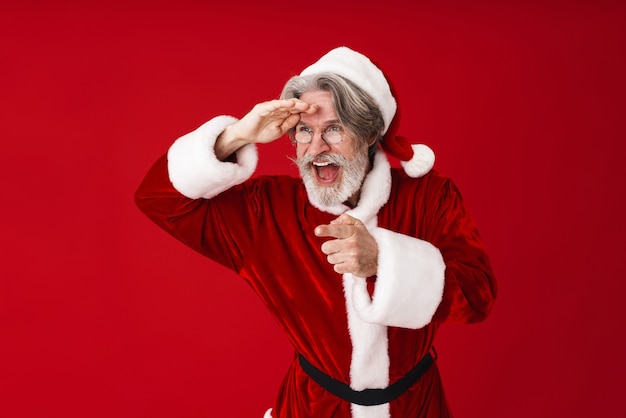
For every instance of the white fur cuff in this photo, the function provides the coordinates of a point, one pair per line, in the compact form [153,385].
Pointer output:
[195,171]
[410,282]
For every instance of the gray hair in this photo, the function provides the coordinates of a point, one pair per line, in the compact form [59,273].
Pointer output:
[356,109]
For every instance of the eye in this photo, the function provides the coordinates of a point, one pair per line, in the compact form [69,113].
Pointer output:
[303,128]
[334,128]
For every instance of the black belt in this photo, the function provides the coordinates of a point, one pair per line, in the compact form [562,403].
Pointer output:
[367,397]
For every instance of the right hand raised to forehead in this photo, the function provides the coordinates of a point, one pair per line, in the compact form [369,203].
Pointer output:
[268,121]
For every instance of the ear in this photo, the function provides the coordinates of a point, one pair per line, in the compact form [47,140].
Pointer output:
[372,147]
[375,140]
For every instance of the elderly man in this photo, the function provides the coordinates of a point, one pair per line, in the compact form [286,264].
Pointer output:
[358,262]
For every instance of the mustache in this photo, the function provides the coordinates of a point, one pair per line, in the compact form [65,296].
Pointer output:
[306,160]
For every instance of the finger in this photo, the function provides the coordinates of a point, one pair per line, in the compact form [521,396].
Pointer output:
[335,231]
[338,258]
[330,247]
[292,106]
[343,268]
[283,103]
[312,108]
[276,108]
[342,231]
[346,219]
[321,231]
[290,121]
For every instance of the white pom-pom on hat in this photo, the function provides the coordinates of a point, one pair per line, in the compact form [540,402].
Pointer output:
[422,161]
[416,159]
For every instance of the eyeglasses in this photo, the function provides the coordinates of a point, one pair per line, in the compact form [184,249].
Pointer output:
[332,135]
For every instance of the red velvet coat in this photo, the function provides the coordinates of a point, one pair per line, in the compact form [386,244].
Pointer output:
[262,228]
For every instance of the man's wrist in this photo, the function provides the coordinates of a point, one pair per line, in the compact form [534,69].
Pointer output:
[228,142]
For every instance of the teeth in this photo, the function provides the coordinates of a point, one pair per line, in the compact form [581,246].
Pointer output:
[320,164]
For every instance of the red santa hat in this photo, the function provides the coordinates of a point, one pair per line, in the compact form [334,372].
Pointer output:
[416,159]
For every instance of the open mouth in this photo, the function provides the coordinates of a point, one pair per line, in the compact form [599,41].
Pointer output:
[325,172]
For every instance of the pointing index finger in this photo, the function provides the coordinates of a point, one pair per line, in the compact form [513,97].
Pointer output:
[338,231]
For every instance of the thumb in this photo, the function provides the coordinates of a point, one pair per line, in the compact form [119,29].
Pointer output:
[345,219]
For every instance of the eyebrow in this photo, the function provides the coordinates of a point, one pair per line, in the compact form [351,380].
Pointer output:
[326,123]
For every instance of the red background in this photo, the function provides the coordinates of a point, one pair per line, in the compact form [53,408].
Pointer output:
[103,315]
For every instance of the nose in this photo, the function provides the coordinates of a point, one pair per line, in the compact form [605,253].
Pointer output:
[317,145]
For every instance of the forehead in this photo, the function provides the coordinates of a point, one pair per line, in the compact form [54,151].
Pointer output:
[326,112]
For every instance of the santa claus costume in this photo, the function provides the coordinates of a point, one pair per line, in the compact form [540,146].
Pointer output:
[362,345]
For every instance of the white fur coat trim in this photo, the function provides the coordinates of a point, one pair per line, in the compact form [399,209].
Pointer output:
[408,290]
[195,171]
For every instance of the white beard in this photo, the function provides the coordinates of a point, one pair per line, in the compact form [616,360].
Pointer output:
[352,175]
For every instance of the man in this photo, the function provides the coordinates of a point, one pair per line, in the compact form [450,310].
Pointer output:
[358,262]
